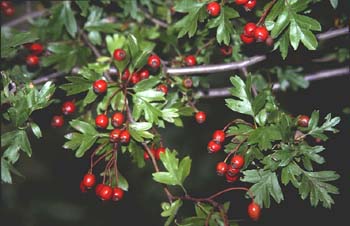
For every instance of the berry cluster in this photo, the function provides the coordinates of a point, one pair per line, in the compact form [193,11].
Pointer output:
[7,8]
[35,49]
[67,108]
[252,32]
[247,4]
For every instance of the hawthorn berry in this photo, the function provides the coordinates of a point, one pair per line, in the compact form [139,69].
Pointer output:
[221,168]
[117,194]
[153,61]
[158,151]
[190,60]
[32,60]
[68,108]
[226,50]
[105,192]
[5,4]
[233,171]
[101,121]
[231,179]
[254,211]
[124,137]
[144,74]
[163,88]
[249,29]
[135,78]
[119,54]
[82,187]
[250,5]
[114,135]
[100,86]
[213,8]
[57,121]
[117,119]
[213,147]
[89,180]
[246,39]
[98,188]
[9,11]
[269,41]
[303,120]
[241,2]
[146,155]
[126,75]
[261,34]
[237,161]
[187,83]
[200,117]
[219,136]
[36,48]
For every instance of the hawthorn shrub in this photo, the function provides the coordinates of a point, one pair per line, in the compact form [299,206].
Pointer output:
[131,70]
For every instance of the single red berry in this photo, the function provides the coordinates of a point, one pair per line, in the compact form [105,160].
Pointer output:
[135,78]
[117,194]
[233,171]
[101,121]
[231,179]
[119,54]
[153,61]
[190,60]
[318,140]
[226,50]
[213,8]
[114,135]
[144,74]
[219,136]
[9,11]
[250,5]
[124,137]
[36,48]
[237,161]
[68,108]
[269,41]
[57,121]
[254,211]
[249,29]
[32,60]
[200,117]
[187,83]
[261,34]
[105,192]
[118,119]
[221,168]
[213,147]
[163,88]
[82,187]
[158,151]
[5,4]
[303,120]
[98,188]
[100,86]
[126,75]
[89,180]
[241,2]
[246,40]
[146,155]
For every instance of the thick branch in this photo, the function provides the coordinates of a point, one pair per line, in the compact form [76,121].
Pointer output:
[332,34]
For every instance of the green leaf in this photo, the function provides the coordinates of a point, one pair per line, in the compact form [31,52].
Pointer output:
[84,7]
[9,45]
[334,3]
[68,19]
[170,211]
[36,129]
[140,125]
[136,153]
[146,84]
[328,125]
[5,171]
[264,136]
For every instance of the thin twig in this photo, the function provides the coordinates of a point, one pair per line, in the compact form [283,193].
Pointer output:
[91,46]
[265,13]
[24,18]
[152,19]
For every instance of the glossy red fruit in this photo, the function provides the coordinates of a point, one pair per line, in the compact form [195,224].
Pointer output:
[144,74]
[118,119]
[163,88]
[250,5]
[9,11]
[219,136]
[187,83]
[114,135]
[153,61]
[135,78]
[100,86]
[98,188]
[190,60]
[5,4]
[261,34]
[124,137]
[119,54]
[231,179]
[249,29]
[82,187]
[57,121]
[32,60]
[233,171]
[237,161]
[213,147]
[254,211]
[241,2]
[89,180]
[200,117]
[213,8]
[126,75]
[36,48]
[221,168]
[226,50]
[117,194]
[146,155]
[158,151]
[105,192]
[246,39]
[68,108]
[101,121]
[303,120]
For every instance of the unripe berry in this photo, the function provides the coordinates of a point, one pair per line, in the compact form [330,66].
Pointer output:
[163,88]
[226,50]
[249,29]
[89,180]
[303,120]
[57,121]
[114,135]
[100,86]
[250,5]
[101,121]
[144,74]
[118,119]
[237,161]
[213,147]
[219,136]
[261,34]
[68,108]
[254,211]
[241,2]
[200,117]
[124,137]
[119,54]
[36,48]
[158,151]
[221,168]
[231,179]
[32,60]
[153,61]
[213,8]
[246,39]
[233,171]
[187,83]
[105,192]
[190,60]
[117,194]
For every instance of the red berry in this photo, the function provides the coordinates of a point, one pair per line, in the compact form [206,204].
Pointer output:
[254,211]
[126,75]
[241,2]
[36,48]
[221,168]
[5,4]
[246,40]
[144,74]
[163,88]
[100,86]
[237,161]
[213,147]
[9,11]
[261,34]
[219,136]
[32,60]
[249,29]
[269,41]
[303,120]
[146,155]
[57,121]
[318,140]
[233,171]
[158,151]
[250,5]
[119,54]
[213,8]
[231,179]
[98,188]
[135,78]
[190,60]
[89,180]
[101,121]
[68,108]
[201,117]
[114,135]
[153,61]
[117,119]
[226,50]
[105,192]
[117,194]
[187,83]
[82,187]
[124,137]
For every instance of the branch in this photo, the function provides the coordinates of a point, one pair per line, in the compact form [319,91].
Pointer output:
[91,46]
[332,34]
[24,18]
[265,13]
[152,19]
